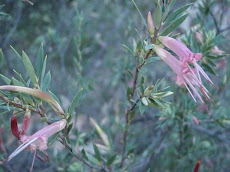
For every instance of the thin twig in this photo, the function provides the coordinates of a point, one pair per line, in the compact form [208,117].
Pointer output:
[138,66]
[21,106]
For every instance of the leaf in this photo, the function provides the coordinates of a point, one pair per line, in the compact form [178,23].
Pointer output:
[1,55]
[157,15]
[69,128]
[39,61]
[2,13]
[142,108]
[149,47]
[20,77]
[97,153]
[152,60]
[53,138]
[169,8]
[16,52]
[43,70]
[46,81]
[174,25]
[29,68]
[111,159]
[84,154]
[54,96]
[143,20]
[177,13]
[75,101]
[128,49]
[101,133]
[209,69]
[5,79]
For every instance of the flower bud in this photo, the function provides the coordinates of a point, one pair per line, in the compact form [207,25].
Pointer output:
[26,123]
[14,127]
[150,24]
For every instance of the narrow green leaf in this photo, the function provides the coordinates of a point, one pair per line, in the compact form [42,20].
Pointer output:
[152,60]
[46,81]
[168,8]
[84,154]
[75,101]
[2,13]
[174,25]
[3,113]
[128,49]
[20,77]
[177,13]
[143,20]
[1,55]
[39,61]
[43,70]
[111,159]
[17,82]
[209,69]
[5,79]
[53,138]
[20,57]
[54,96]
[29,68]
[142,108]
[97,153]
[69,128]
[157,15]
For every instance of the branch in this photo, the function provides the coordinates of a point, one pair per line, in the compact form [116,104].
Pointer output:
[138,66]
[21,106]
[92,166]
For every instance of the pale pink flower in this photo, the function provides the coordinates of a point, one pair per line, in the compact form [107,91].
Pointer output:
[38,140]
[186,56]
[186,76]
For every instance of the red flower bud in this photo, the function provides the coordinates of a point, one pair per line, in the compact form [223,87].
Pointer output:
[197,166]
[14,127]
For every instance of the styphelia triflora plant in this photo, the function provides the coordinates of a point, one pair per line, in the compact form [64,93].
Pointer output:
[187,65]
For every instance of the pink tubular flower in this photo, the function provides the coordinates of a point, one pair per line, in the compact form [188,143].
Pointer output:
[186,56]
[186,75]
[38,140]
